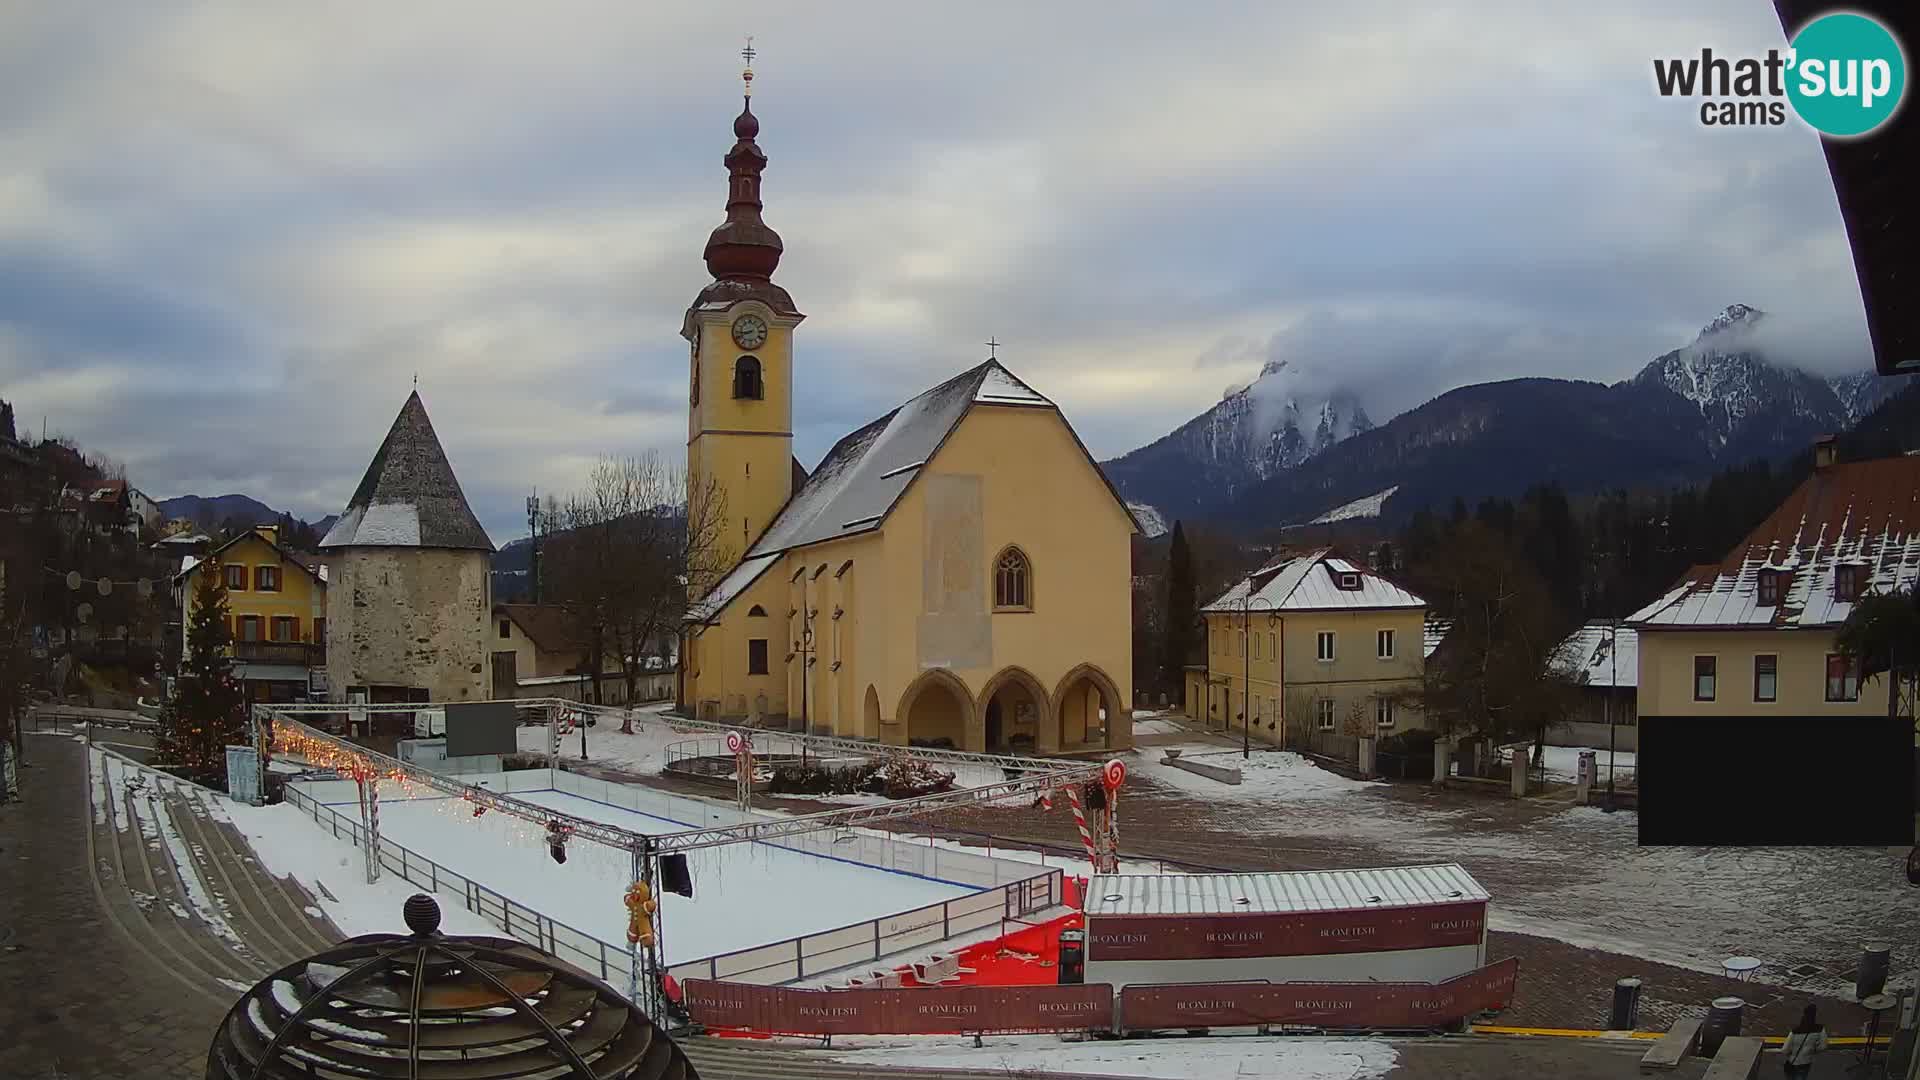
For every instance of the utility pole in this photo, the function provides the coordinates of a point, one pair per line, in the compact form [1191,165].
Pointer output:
[533,534]
[1613,687]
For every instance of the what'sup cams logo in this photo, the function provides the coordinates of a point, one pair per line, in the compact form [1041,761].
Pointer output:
[1844,74]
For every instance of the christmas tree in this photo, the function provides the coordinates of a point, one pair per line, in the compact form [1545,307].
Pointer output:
[207,712]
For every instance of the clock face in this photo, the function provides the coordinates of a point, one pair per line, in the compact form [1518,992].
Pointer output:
[749,332]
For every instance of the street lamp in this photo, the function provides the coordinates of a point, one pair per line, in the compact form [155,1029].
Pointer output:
[1613,658]
[1246,667]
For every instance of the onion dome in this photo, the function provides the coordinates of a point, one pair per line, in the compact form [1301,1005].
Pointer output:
[743,247]
[424,1005]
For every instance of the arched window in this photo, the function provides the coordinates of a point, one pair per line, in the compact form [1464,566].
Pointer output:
[1013,581]
[746,379]
[757,612]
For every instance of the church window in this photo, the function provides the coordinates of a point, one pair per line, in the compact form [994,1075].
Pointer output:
[746,379]
[1012,581]
[756,612]
[757,656]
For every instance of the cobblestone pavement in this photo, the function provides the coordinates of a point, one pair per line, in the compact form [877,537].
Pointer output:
[77,998]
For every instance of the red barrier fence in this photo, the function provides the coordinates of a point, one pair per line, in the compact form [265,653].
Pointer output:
[921,1010]
[1306,933]
[944,1010]
[1324,1005]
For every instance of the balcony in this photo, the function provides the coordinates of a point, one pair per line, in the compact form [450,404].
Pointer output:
[297,653]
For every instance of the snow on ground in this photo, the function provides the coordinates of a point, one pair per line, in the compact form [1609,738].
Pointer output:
[1153,725]
[1267,775]
[1563,763]
[1244,1058]
[644,751]
[731,884]
[140,787]
[334,872]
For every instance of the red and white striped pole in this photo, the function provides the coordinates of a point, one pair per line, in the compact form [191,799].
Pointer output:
[1113,775]
[1080,819]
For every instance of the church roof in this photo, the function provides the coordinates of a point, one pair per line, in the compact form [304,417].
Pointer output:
[409,496]
[862,478]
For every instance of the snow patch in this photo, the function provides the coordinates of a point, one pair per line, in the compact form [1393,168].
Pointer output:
[1152,522]
[1367,507]
[1244,1058]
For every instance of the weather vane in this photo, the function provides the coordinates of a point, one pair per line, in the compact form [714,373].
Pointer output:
[993,349]
[746,75]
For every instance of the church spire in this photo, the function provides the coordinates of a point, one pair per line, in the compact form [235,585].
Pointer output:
[743,247]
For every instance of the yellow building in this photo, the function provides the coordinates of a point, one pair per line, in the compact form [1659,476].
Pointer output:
[1753,635]
[1311,644]
[955,572]
[276,612]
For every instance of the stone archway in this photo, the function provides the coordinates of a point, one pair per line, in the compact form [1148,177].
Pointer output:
[939,706]
[1079,700]
[870,714]
[1015,714]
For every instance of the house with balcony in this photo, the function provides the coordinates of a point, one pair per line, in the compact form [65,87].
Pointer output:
[1753,635]
[1311,648]
[276,612]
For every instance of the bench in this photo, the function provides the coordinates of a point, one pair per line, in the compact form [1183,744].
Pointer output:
[1678,1043]
[1738,1059]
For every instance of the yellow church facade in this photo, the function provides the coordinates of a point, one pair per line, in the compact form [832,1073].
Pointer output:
[955,573]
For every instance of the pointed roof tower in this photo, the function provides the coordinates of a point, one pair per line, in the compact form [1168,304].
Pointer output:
[409,496]
[743,251]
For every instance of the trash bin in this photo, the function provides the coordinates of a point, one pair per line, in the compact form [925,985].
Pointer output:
[1871,977]
[1626,1005]
[1073,957]
[1723,1019]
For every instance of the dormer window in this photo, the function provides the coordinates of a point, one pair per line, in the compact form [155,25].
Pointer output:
[1770,587]
[1848,582]
[1350,582]
[746,379]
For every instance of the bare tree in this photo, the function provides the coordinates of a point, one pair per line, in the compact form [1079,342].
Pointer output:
[624,550]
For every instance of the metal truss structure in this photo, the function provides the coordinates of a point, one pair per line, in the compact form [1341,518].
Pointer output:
[1037,776]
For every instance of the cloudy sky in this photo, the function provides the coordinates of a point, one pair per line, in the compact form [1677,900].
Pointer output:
[232,234]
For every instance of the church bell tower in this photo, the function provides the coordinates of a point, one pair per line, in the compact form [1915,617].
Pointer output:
[740,334]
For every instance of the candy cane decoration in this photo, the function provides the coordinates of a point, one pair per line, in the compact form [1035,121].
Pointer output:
[1113,775]
[1080,820]
[373,831]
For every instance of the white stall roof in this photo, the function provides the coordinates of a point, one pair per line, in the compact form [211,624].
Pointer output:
[1280,893]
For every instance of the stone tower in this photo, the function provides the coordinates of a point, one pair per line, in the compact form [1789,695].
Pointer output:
[740,330]
[409,577]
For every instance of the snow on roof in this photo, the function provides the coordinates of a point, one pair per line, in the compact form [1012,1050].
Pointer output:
[859,480]
[735,583]
[1864,514]
[188,562]
[1306,583]
[409,496]
[1281,893]
[1434,633]
[1588,656]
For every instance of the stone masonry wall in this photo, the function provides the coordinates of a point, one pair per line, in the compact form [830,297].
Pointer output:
[409,617]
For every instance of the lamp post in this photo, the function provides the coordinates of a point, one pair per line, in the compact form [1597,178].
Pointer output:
[1246,669]
[1613,687]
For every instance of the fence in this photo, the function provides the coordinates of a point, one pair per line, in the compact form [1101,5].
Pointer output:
[972,1010]
[608,961]
[1329,744]
[1008,890]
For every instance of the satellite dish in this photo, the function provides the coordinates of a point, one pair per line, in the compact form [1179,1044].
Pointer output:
[105,586]
[73,580]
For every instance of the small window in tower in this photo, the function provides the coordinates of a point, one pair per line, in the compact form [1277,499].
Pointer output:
[746,379]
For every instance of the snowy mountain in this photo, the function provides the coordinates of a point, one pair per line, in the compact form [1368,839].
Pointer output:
[1258,429]
[1720,400]
[1753,404]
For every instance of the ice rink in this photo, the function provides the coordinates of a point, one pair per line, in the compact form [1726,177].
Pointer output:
[744,895]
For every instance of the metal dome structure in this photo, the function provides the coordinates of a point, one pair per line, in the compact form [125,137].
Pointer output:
[424,1005]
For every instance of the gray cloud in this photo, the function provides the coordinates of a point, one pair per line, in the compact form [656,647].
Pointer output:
[230,235]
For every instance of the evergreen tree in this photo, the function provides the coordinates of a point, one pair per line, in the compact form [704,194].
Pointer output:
[1180,613]
[207,712]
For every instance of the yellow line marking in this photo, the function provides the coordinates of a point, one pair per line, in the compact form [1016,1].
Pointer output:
[1585,1033]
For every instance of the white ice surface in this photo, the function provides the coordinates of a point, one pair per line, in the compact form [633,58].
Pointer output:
[1242,1058]
[733,886]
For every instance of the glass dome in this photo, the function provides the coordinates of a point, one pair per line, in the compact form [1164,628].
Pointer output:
[424,1005]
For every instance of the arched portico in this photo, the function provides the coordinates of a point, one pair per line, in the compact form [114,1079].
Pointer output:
[937,706]
[1088,708]
[1016,714]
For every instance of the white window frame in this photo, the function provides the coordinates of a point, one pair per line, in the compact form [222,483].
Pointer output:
[1326,646]
[1384,712]
[1384,638]
[1326,716]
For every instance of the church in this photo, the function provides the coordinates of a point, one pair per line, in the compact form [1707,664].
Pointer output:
[955,573]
